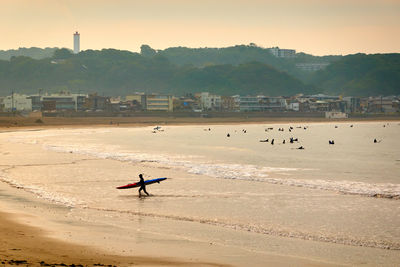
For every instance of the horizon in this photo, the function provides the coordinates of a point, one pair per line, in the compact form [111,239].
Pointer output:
[309,26]
[138,51]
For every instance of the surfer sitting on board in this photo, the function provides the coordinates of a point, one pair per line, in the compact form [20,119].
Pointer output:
[142,185]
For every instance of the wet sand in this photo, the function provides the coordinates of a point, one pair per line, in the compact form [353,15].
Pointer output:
[28,246]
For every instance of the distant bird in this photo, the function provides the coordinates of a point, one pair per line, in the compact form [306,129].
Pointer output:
[301,147]
[228,135]
[284,141]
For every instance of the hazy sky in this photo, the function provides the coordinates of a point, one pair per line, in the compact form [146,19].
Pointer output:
[318,27]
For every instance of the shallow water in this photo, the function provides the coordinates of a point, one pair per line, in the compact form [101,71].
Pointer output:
[347,193]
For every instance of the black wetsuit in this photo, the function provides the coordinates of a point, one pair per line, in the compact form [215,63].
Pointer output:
[142,186]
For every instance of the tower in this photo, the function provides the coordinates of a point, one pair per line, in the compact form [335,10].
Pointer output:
[76,42]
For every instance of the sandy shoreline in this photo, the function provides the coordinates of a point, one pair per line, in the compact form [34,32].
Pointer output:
[25,245]
[45,122]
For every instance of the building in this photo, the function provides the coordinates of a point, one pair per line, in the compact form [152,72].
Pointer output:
[353,104]
[283,53]
[268,103]
[17,102]
[311,66]
[95,102]
[135,97]
[209,101]
[1,103]
[36,102]
[227,103]
[259,103]
[246,103]
[185,104]
[77,48]
[63,101]
[155,102]
[323,97]
[381,105]
[294,106]
[318,105]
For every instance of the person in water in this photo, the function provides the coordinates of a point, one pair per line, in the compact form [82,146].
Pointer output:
[142,185]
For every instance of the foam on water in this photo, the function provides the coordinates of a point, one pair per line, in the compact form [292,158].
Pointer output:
[40,192]
[253,173]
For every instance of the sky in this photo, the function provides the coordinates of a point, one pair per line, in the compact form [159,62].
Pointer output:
[318,27]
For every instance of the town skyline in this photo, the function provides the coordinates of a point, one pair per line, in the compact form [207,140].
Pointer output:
[328,28]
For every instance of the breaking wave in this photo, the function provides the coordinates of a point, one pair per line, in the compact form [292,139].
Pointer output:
[238,171]
[40,192]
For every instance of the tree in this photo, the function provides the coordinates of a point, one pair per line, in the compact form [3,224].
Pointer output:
[147,51]
[62,53]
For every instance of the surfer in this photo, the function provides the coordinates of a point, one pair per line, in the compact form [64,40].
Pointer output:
[142,185]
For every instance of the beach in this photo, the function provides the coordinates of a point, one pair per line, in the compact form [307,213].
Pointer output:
[227,201]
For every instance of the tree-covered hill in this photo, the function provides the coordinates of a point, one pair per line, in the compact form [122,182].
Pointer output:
[226,71]
[115,72]
[361,75]
[235,55]
[33,52]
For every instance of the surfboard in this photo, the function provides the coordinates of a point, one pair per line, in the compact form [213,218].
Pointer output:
[147,182]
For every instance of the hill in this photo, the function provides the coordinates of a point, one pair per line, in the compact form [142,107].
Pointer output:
[244,69]
[115,72]
[361,75]
[235,55]
[32,52]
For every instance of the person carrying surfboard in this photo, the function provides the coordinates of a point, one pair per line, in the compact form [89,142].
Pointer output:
[142,185]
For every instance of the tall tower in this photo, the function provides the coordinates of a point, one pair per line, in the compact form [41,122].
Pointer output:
[76,42]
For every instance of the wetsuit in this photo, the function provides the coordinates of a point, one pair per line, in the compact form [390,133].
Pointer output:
[142,185]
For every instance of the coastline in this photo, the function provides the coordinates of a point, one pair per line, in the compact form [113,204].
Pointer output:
[34,252]
[51,122]
[26,245]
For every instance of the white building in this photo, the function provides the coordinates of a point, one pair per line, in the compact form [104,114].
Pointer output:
[311,66]
[259,103]
[209,101]
[285,53]
[76,43]
[295,106]
[17,102]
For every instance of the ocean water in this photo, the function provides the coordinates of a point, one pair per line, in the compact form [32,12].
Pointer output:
[347,193]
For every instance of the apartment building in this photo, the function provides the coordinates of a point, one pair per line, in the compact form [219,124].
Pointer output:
[154,102]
